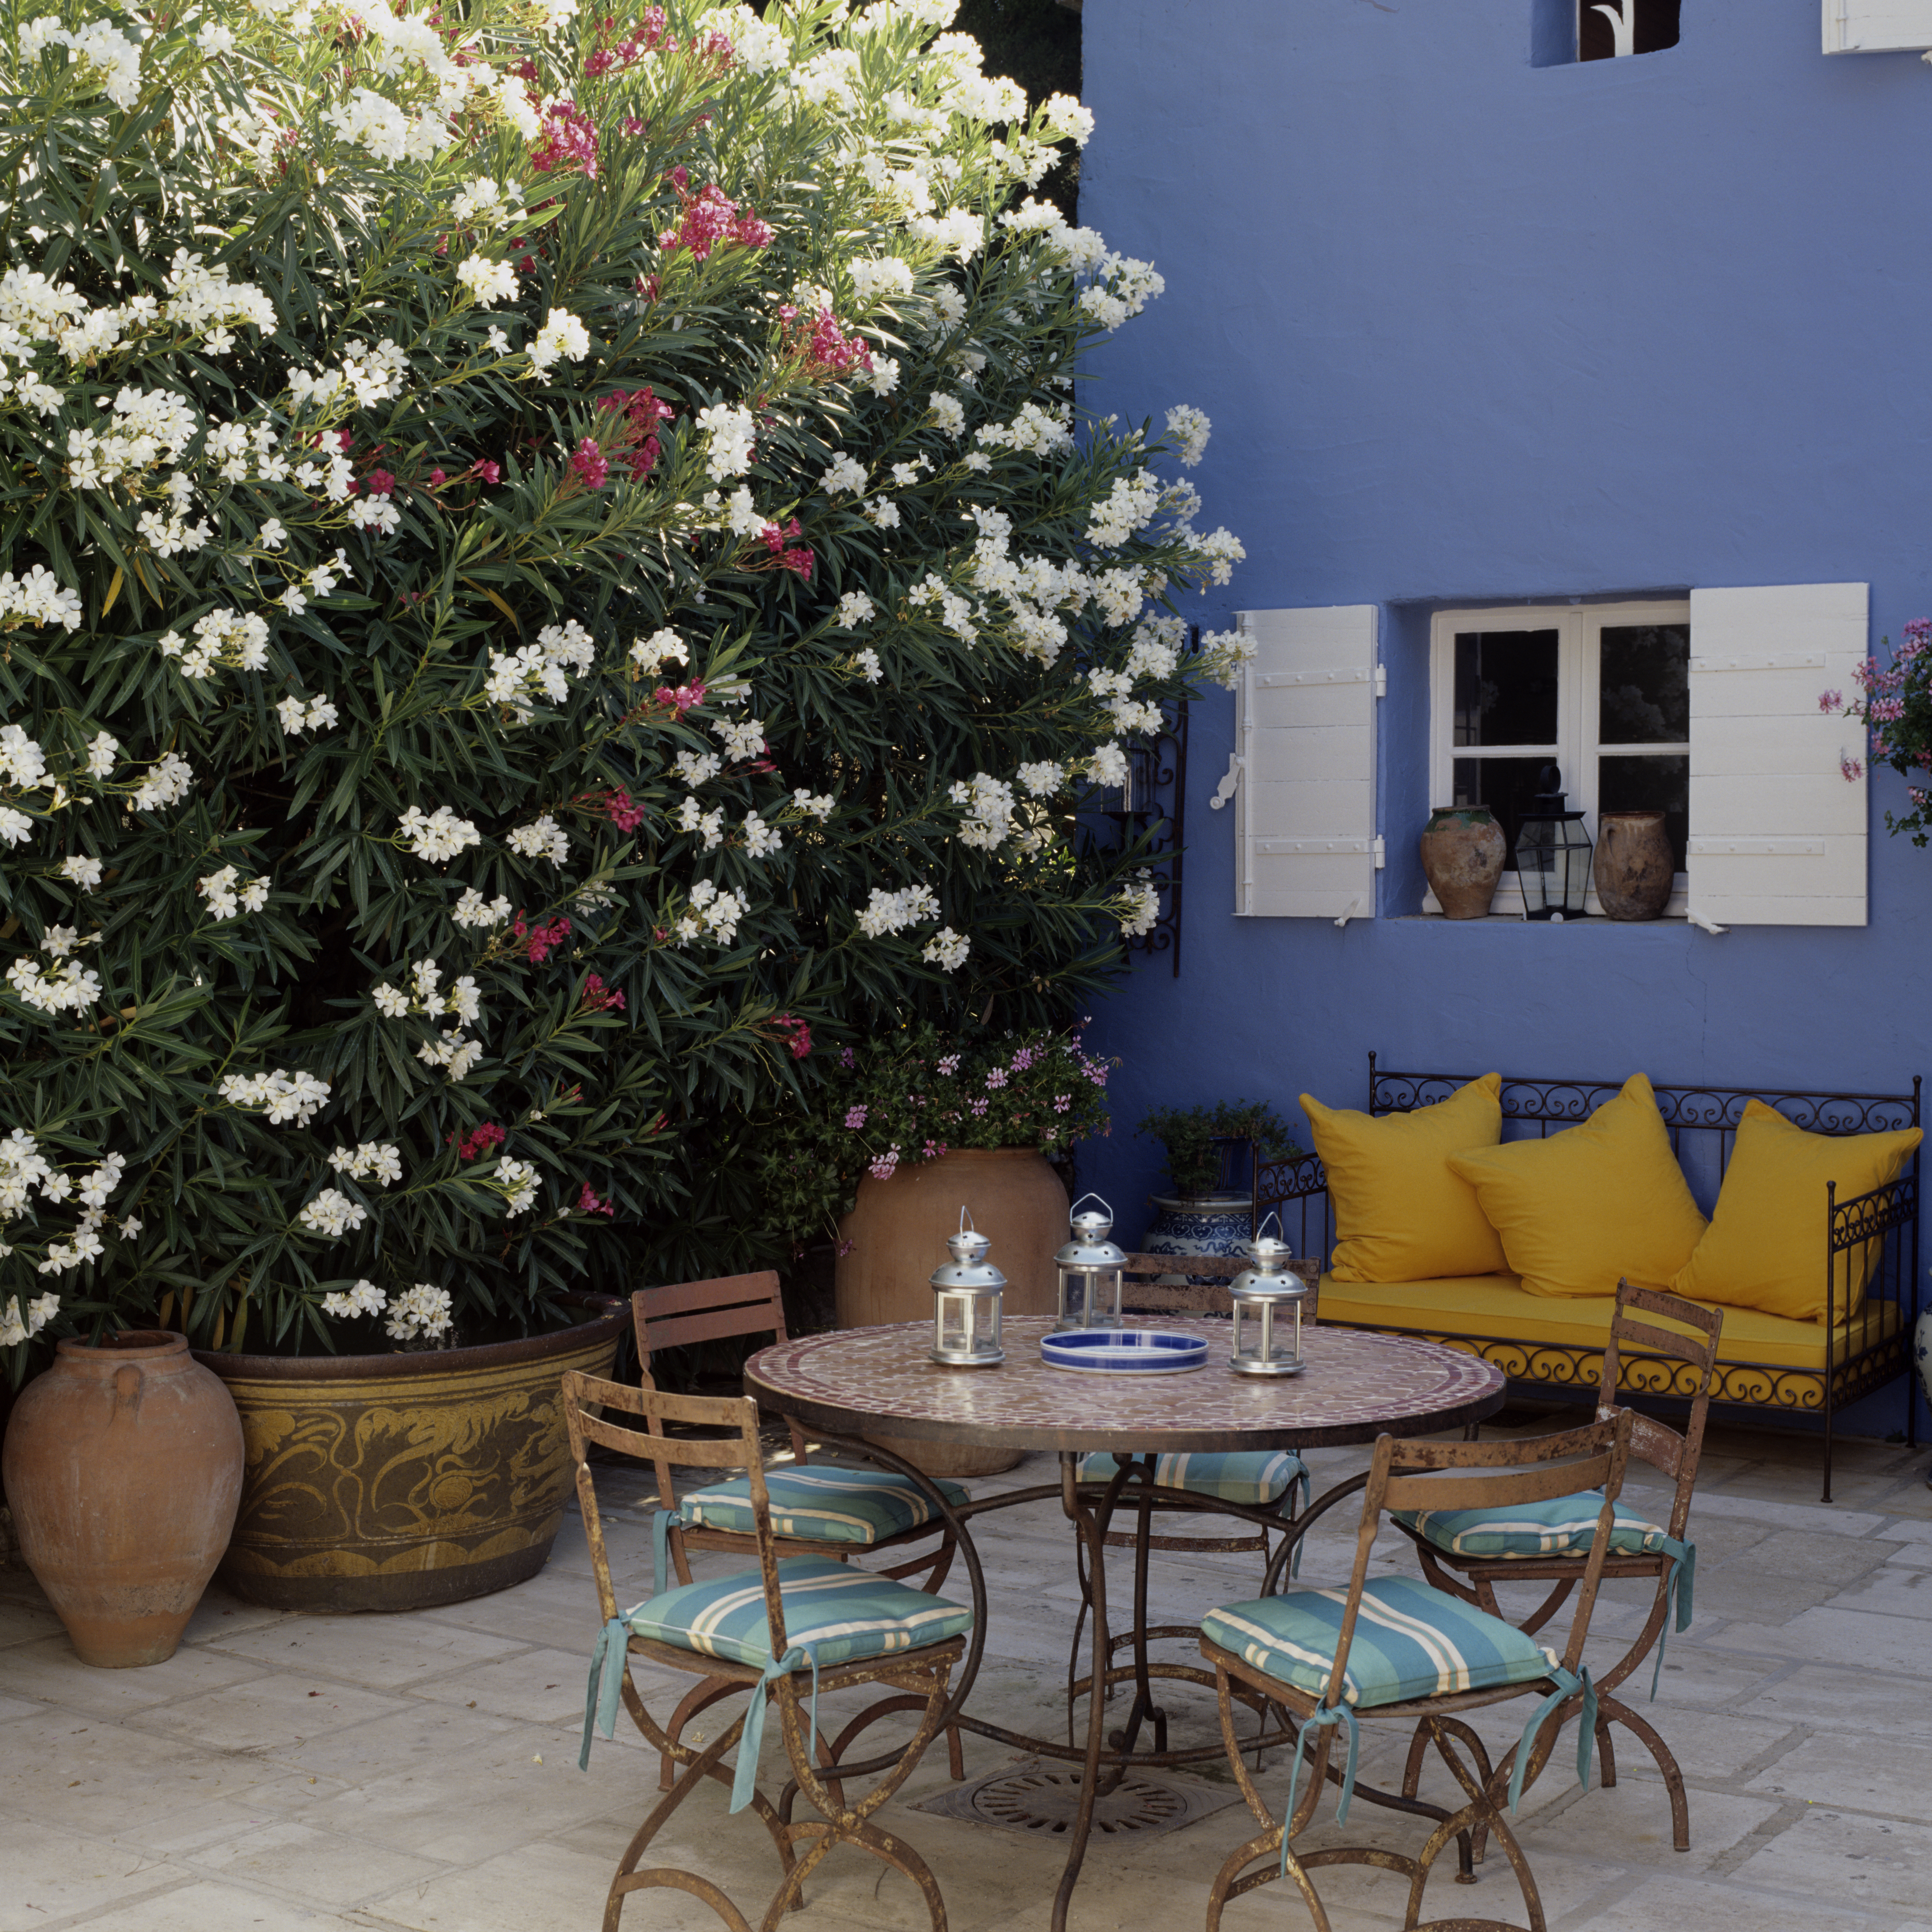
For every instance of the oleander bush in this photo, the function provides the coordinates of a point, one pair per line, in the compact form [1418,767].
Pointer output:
[554,563]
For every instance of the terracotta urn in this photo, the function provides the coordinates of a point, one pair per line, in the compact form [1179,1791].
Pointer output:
[1633,867]
[123,1466]
[897,1233]
[1463,853]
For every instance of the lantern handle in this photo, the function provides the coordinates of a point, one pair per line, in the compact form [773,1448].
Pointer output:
[1281,1233]
[966,1221]
[1089,1196]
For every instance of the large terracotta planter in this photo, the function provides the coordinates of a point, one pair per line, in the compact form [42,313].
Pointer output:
[401,1482]
[897,1229]
[123,1466]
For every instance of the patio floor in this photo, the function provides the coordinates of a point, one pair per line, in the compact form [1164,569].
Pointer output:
[421,1771]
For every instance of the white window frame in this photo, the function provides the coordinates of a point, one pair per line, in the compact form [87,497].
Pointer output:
[1577,749]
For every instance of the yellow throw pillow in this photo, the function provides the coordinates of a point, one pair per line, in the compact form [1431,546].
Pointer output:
[1766,1248]
[1400,1215]
[1579,1210]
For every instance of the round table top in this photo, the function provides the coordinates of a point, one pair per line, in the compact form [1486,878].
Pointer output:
[1356,1386]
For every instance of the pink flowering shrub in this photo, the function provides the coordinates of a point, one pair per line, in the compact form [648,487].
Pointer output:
[1894,699]
[919,1090]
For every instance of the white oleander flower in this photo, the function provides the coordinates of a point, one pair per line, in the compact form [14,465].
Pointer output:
[332,1215]
[437,835]
[85,872]
[419,1314]
[488,282]
[365,1298]
[473,909]
[543,839]
[379,1160]
[946,950]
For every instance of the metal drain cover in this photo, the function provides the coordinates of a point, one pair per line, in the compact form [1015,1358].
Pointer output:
[1033,1798]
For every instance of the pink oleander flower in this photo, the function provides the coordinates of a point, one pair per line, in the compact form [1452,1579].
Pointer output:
[596,997]
[591,464]
[681,700]
[488,472]
[587,1202]
[801,1034]
[569,141]
[437,478]
[710,219]
[380,483]
[486,1137]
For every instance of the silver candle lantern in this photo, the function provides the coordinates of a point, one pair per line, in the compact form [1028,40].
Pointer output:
[1090,1267]
[966,1294]
[1267,1297]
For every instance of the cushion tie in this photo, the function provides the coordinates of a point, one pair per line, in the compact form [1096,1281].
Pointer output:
[1323,1713]
[1677,1597]
[662,1523]
[750,1742]
[1307,1484]
[1568,1684]
[607,1683]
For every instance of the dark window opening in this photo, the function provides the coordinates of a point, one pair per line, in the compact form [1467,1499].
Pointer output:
[1562,31]
[1654,29]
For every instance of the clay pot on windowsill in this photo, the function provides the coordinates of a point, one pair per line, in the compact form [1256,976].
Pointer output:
[1633,868]
[1463,853]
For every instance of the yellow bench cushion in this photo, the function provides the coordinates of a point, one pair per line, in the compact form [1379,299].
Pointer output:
[1498,1307]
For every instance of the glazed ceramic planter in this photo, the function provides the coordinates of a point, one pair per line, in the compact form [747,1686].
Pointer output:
[123,1468]
[402,1482]
[897,1233]
[1463,853]
[1199,1224]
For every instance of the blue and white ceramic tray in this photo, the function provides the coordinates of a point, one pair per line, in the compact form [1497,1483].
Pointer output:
[1123,1351]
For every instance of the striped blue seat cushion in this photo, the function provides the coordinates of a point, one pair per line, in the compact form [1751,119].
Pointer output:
[1254,1476]
[1564,1526]
[822,1504]
[1410,1641]
[833,1611]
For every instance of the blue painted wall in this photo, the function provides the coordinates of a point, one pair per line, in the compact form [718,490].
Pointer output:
[1470,328]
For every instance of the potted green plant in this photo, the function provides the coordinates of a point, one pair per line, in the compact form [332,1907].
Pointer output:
[445,781]
[1207,1212]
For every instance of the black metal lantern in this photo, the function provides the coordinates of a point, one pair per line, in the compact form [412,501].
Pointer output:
[1552,854]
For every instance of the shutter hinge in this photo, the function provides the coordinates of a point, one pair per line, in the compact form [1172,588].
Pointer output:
[1381,852]
[1230,779]
[1382,690]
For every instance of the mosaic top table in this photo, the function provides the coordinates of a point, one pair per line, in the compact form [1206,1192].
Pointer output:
[849,1386]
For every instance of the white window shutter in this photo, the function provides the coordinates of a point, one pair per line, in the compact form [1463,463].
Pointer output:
[1876,26]
[1306,831]
[1778,831]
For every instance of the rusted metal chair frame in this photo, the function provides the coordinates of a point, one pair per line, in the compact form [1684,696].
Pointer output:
[684,1312]
[1193,1297]
[1407,1476]
[1667,1452]
[919,1677]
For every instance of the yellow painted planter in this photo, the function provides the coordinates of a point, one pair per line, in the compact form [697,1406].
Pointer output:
[401,1482]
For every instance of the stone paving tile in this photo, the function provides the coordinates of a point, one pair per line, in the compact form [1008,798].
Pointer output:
[1869,1863]
[64,1769]
[204,1906]
[1668,1900]
[543,1686]
[51,1875]
[1834,1699]
[1902,1590]
[402,1650]
[308,1867]
[1895,1644]
[49,1670]
[1863,1774]
[272,1712]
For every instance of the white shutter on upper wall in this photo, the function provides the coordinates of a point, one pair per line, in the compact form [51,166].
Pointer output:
[1778,831]
[1306,835]
[1877,26]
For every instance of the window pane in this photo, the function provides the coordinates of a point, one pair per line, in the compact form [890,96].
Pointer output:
[1505,784]
[1645,686]
[1649,785]
[1506,687]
